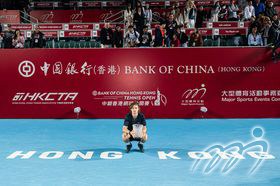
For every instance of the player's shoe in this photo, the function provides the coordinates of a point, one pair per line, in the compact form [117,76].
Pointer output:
[141,147]
[128,148]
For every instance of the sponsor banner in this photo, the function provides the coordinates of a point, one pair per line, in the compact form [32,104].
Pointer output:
[225,24]
[80,26]
[158,3]
[77,33]
[183,2]
[167,83]
[50,26]
[88,4]
[197,2]
[9,16]
[51,34]
[204,32]
[203,2]
[45,4]
[71,16]
[229,31]
[116,4]
[113,26]
[21,26]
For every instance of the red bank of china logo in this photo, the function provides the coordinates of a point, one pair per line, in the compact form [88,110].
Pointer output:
[26,68]
[194,96]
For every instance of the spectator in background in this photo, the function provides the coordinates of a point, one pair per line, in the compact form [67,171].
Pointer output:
[177,5]
[181,35]
[145,38]
[139,4]
[254,38]
[242,3]
[175,41]
[179,17]
[18,40]
[118,37]
[268,32]
[148,15]
[276,44]
[173,10]
[131,37]
[128,16]
[139,19]
[249,11]
[106,36]
[259,8]
[171,25]
[253,23]
[223,14]
[37,38]
[163,17]
[201,16]
[270,10]
[276,26]
[186,13]
[132,3]
[192,15]
[275,21]
[215,11]
[196,39]
[260,21]
[233,9]
[160,36]
[8,37]
[1,35]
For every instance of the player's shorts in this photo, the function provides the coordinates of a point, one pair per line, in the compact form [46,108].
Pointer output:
[134,139]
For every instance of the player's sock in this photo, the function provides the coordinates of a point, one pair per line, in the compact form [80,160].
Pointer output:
[141,146]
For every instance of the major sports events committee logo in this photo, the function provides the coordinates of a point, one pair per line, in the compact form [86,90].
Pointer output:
[194,96]
[26,68]
[47,18]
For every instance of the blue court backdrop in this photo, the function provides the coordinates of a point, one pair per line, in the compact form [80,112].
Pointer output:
[166,136]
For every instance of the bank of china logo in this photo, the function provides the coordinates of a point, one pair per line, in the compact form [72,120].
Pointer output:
[234,156]
[26,68]
[194,96]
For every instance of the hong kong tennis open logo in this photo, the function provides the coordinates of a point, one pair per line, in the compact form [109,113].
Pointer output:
[236,153]
[194,96]
[160,99]
[118,98]
[26,68]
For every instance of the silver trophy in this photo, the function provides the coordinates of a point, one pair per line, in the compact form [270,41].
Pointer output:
[138,129]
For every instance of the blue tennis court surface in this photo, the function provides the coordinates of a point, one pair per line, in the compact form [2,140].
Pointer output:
[51,162]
